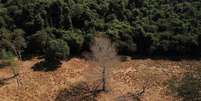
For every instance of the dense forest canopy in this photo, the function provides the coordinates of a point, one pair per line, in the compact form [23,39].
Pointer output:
[60,28]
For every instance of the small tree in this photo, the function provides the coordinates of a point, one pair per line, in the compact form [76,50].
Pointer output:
[13,41]
[8,59]
[104,55]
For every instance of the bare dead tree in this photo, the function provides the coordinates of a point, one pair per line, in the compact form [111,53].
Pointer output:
[105,56]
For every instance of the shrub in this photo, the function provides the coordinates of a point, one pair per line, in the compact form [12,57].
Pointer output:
[188,88]
[57,49]
[7,57]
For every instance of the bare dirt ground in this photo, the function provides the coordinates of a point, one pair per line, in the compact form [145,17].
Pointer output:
[130,76]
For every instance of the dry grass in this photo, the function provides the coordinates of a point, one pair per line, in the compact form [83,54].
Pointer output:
[129,77]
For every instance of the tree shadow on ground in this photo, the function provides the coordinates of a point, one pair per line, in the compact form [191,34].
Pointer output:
[132,96]
[188,87]
[128,97]
[3,81]
[2,65]
[80,92]
[46,66]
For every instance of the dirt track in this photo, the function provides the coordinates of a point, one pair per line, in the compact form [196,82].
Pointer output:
[129,77]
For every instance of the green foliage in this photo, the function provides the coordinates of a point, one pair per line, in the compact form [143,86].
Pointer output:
[6,57]
[57,49]
[143,26]
[6,54]
[75,40]
[122,35]
[12,41]
[39,41]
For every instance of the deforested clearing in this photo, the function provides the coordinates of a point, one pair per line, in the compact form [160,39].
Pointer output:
[129,77]
[100,50]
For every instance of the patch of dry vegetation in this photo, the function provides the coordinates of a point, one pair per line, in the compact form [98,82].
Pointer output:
[128,79]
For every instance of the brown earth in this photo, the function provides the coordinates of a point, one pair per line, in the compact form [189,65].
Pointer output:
[130,76]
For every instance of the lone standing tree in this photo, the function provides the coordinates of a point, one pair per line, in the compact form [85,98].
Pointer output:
[104,54]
